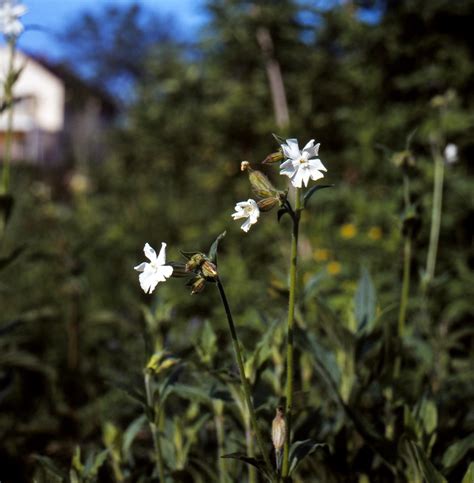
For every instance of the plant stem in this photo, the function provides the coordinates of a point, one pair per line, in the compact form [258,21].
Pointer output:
[435,214]
[405,277]
[243,378]
[154,430]
[220,435]
[291,318]
[8,94]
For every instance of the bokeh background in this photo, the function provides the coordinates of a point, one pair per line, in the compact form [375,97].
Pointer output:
[161,101]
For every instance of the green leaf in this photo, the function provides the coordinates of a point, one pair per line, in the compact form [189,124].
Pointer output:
[300,449]
[469,476]
[213,250]
[130,434]
[456,452]
[91,470]
[416,456]
[53,473]
[279,139]
[257,463]
[364,301]
[313,190]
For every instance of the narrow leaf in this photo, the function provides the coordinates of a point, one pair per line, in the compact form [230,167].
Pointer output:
[213,250]
[257,463]
[300,449]
[313,190]
[364,301]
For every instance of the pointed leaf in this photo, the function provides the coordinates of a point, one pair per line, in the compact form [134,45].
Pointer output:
[364,302]
[213,250]
[456,452]
[313,190]
[279,139]
[130,434]
[300,449]
[469,476]
[257,463]
[424,465]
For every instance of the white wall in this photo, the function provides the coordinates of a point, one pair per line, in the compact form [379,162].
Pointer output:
[44,108]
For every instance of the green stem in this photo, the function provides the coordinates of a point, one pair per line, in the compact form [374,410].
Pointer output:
[5,187]
[243,378]
[154,430]
[435,214]
[220,435]
[291,318]
[402,313]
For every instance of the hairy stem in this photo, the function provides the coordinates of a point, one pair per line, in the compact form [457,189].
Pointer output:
[291,318]
[243,378]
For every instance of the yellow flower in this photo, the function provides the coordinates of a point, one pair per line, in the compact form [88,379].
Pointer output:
[375,233]
[334,268]
[348,230]
[321,254]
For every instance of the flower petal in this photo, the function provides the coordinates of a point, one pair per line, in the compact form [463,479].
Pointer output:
[166,270]
[141,267]
[149,252]
[161,260]
[317,164]
[148,281]
[291,149]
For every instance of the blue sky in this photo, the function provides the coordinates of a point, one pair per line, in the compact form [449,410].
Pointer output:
[54,15]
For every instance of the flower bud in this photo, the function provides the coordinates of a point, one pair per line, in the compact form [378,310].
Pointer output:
[261,185]
[279,430]
[244,165]
[403,159]
[198,285]
[195,262]
[209,270]
[268,203]
[274,157]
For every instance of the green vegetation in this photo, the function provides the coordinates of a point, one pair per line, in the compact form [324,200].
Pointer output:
[100,382]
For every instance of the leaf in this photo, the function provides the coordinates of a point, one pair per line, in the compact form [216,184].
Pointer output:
[98,461]
[130,434]
[130,390]
[364,301]
[456,452]
[281,212]
[300,449]
[417,456]
[279,139]
[49,466]
[313,190]
[469,476]
[257,463]
[213,250]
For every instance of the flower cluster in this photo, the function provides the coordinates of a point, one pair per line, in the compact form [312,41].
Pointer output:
[10,13]
[299,165]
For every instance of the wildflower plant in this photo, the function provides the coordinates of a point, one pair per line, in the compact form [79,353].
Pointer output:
[300,166]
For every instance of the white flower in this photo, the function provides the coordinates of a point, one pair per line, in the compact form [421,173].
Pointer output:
[154,272]
[10,12]
[451,153]
[247,209]
[301,166]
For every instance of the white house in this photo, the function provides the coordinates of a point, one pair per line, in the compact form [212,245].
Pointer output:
[38,114]
[56,115]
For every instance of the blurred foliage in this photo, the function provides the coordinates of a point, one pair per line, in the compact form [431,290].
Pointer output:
[371,81]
